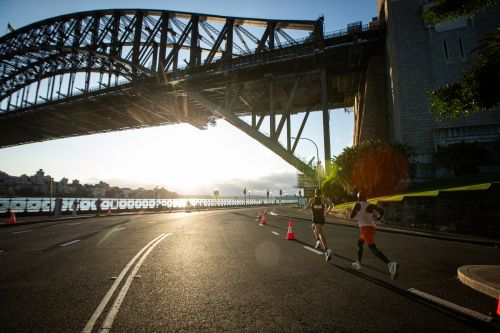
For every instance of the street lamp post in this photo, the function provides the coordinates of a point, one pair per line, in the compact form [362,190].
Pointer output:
[317,156]
[156,198]
[50,197]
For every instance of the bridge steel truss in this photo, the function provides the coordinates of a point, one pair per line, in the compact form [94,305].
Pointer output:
[240,69]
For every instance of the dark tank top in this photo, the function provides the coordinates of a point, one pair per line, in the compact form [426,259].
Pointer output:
[318,210]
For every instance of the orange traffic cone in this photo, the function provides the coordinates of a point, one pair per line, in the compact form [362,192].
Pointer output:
[263,221]
[12,219]
[109,211]
[498,307]
[290,235]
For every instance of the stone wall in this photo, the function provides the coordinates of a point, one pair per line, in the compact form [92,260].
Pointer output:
[467,212]
[421,57]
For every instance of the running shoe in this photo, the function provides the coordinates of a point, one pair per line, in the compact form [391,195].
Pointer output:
[393,269]
[318,245]
[356,265]
[328,254]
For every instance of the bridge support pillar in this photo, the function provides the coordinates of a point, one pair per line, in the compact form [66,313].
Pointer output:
[370,107]
[326,119]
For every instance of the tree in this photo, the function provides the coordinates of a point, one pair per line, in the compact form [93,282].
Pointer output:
[373,167]
[445,10]
[478,89]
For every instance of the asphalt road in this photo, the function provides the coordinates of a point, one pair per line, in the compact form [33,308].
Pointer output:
[221,272]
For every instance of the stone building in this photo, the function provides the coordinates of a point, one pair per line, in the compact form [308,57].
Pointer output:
[419,57]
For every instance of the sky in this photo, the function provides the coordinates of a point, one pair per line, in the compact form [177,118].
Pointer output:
[182,158]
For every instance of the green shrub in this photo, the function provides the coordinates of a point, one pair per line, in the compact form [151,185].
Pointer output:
[463,158]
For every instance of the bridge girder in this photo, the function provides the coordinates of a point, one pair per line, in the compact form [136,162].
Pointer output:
[148,42]
[137,52]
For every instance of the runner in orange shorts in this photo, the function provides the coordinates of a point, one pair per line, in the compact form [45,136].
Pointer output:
[363,212]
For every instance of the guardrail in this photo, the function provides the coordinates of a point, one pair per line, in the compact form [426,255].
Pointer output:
[35,206]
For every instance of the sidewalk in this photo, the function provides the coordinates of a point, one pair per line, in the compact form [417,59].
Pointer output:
[483,278]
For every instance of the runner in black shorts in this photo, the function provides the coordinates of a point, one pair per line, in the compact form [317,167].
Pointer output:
[318,205]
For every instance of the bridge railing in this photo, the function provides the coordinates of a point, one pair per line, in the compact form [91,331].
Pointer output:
[303,47]
[33,206]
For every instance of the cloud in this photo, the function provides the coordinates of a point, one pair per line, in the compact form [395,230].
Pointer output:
[275,182]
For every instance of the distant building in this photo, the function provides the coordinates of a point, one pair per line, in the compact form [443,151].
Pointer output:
[126,192]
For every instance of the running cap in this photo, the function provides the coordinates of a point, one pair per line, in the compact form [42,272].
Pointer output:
[361,196]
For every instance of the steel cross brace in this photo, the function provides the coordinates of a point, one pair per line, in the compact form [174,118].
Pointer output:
[271,144]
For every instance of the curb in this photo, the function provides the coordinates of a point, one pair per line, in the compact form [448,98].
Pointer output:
[495,244]
[476,282]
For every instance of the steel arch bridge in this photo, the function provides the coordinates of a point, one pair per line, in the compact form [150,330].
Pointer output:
[109,70]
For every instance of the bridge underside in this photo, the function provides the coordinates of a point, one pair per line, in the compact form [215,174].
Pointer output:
[272,83]
[162,101]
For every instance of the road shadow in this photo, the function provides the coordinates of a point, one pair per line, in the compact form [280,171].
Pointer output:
[419,299]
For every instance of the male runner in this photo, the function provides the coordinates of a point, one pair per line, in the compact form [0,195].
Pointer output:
[318,205]
[363,212]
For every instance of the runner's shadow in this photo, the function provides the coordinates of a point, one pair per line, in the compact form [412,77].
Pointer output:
[275,227]
[306,244]
[364,266]
[416,298]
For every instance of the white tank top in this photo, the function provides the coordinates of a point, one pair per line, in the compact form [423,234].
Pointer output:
[364,219]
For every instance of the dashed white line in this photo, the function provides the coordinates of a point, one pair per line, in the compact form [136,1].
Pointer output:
[74,223]
[120,228]
[23,231]
[69,243]
[312,250]
[152,221]
[456,307]
[274,232]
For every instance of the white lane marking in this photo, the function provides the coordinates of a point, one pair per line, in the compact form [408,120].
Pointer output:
[20,232]
[152,221]
[120,228]
[312,250]
[274,232]
[1,251]
[97,313]
[69,243]
[74,223]
[108,322]
[456,307]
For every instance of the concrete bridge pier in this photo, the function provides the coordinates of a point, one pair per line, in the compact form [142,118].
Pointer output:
[370,107]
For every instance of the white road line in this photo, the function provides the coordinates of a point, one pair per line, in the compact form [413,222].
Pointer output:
[456,307]
[274,232]
[120,228]
[69,243]
[152,221]
[74,223]
[108,322]
[312,250]
[20,232]
[1,251]
[97,313]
